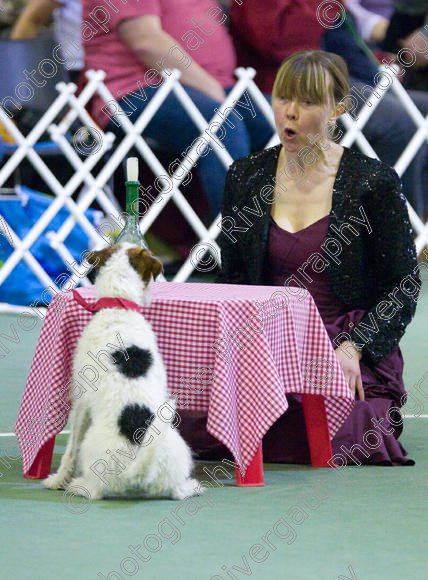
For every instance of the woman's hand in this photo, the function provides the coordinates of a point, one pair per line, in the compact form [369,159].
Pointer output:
[349,359]
[409,44]
[379,30]
[213,89]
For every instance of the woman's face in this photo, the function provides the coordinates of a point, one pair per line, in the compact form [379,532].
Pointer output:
[300,123]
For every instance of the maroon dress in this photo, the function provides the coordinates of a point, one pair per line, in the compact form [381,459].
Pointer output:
[383,384]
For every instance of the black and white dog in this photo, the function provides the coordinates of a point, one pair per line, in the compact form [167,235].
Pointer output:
[123,440]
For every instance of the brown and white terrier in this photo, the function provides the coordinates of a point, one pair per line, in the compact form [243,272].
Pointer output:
[123,438]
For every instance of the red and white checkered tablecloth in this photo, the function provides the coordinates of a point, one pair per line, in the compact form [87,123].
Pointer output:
[232,350]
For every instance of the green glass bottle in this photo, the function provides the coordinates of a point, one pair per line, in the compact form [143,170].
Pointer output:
[131,231]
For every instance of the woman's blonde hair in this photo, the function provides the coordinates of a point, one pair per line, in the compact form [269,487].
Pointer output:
[313,75]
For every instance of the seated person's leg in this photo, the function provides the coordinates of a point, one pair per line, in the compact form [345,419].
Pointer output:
[388,131]
[259,129]
[173,131]
[232,137]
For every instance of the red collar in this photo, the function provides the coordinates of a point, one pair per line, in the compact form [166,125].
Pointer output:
[107,302]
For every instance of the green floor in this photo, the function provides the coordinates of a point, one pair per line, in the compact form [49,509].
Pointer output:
[368,522]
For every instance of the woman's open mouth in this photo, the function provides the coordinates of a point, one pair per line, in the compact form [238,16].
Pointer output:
[290,134]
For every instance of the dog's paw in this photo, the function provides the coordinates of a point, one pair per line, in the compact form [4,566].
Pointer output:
[83,487]
[189,488]
[199,490]
[55,481]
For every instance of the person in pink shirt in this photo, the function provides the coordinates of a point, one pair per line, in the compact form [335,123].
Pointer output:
[132,41]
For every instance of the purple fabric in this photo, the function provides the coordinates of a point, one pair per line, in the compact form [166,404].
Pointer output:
[367,436]
[383,384]
[384,8]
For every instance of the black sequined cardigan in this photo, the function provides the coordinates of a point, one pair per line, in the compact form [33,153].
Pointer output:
[372,266]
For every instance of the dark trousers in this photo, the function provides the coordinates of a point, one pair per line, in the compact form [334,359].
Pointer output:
[172,131]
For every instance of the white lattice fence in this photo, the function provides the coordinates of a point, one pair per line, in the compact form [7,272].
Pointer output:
[95,184]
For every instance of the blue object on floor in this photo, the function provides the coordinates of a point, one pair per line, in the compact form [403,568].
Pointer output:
[43,148]
[21,212]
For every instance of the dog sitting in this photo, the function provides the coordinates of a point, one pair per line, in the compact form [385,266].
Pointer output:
[121,442]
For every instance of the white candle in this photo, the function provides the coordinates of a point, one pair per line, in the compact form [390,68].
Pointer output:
[132,168]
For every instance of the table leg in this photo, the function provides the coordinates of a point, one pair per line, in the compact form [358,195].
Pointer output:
[41,466]
[254,475]
[317,430]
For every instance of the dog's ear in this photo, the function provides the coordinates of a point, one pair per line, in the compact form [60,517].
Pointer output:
[144,263]
[99,258]
[155,267]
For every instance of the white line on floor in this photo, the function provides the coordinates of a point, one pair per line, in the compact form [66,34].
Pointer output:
[408,417]
[67,432]
[13,434]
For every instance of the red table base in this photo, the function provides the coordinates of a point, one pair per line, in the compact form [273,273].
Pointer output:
[316,428]
[254,475]
[318,439]
[41,466]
